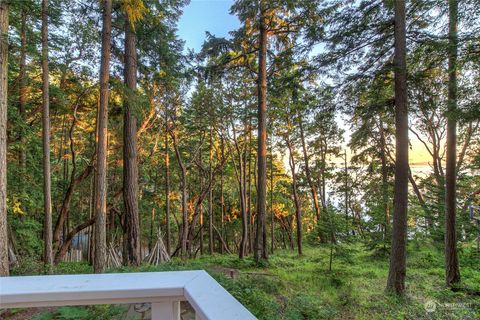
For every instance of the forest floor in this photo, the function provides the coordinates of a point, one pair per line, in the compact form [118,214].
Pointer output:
[293,287]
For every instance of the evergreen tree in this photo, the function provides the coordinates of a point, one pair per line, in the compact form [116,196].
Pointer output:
[4,262]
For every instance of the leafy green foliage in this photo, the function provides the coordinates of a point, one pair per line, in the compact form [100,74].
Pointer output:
[27,236]
[100,312]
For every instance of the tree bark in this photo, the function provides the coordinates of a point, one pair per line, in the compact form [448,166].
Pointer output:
[248,189]
[260,237]
[167,185]
[65,208]
[222,199]
[452,271]
[240,174]
[200,212]
[74,180]
[272,213]
[210,197]
[4,262]
[243,205]
[296,199]
[346,195]
[47,192]
[183,183]
[313,190]
[397,269]
[130,162]
[198,207]
[22,88]
[69,237]
[383,158]
[100,202]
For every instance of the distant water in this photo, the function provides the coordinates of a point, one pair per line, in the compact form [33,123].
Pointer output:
[421,170]
[425,169]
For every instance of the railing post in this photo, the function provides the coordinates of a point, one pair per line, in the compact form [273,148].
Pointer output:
[166,310]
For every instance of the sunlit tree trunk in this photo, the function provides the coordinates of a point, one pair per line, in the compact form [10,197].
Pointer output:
[397,270]
[452,271]
[167,184]
[4,268]
[130,161]
[296,199]
[260,251]
[47,192]
[272,213]
[100,203]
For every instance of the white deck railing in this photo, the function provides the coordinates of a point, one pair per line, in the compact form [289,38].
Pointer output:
[164,290]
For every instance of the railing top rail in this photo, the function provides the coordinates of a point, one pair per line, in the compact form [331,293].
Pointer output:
[208,298]
[211,301]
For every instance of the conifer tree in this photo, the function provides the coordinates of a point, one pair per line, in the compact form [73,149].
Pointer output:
[4,262]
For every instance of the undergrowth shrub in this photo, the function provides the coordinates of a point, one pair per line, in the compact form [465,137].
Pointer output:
[100,312]
[303,306]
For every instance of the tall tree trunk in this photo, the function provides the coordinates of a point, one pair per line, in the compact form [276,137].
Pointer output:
[248,181]
[383,158]
[210,197]
[272,213]
[91,229]
[130,163]
[296,199]
[243,207]
[323,192]
[183,183]
[4,265]
[72,183]
[222,199]
[397,270]
[47,184]
[200,212]
[313,190]
[452,271]
[167,185]
[240,172]
[102,147]
[260,238]
[22,88]
[346,194]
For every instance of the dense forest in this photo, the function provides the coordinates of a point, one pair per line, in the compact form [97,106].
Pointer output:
[298,130]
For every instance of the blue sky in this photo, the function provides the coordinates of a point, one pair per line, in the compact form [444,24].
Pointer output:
[213,16]
[205,15]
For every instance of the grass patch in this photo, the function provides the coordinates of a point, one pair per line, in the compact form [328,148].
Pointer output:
[293,287]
